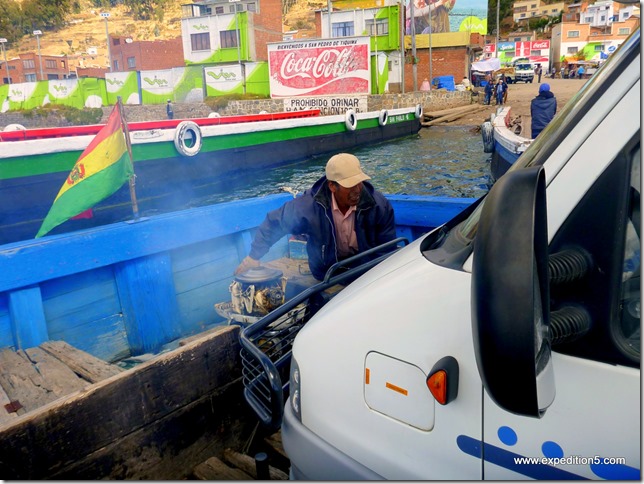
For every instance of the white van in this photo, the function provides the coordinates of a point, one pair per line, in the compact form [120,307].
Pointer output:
[505,344]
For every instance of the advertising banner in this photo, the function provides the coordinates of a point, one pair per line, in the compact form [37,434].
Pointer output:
[181,84]
[508,48]
[230,79]
[67,93]
[528,47]
[124,84]
[222,80]
[440,16]
[319,67]
[541,46]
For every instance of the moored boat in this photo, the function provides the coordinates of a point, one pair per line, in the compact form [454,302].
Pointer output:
[136,290]
[507,144]
[176,161]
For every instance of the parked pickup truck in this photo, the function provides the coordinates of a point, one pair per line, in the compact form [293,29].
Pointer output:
[521,71]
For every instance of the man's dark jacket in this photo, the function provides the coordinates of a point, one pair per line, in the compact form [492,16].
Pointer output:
[311,214]
[542,110]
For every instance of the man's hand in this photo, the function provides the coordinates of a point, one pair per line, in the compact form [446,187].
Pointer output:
[246,264]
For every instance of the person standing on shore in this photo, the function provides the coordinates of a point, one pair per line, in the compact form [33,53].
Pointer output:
[537,71]
[500,90]
[169,110]
[580,72]
[542,109]
[489,89]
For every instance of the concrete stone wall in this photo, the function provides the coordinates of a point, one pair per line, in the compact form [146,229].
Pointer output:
[434,101]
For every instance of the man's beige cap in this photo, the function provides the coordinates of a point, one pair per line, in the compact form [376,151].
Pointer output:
[344,168]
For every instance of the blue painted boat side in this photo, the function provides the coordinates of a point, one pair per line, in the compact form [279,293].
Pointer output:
[132,287]
[502,160]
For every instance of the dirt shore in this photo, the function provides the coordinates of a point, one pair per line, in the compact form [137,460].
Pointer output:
[519,97]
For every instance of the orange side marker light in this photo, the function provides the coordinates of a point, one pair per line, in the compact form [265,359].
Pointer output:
[437,384]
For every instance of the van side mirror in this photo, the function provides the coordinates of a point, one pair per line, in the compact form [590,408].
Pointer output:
[510,294]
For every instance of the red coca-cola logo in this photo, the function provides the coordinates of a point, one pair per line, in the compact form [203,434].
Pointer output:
[329,63]
[544,44]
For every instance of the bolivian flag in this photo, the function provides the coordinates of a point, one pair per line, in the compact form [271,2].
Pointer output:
[101,170]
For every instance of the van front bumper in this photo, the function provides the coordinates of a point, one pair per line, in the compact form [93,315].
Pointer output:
[315,459]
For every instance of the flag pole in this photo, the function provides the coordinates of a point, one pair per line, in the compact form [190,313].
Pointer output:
[126,132]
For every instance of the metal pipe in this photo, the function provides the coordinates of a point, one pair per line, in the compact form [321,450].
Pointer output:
[38,33]
[496,46]
[6,64]
[402,46]
[241,69]
[107,36]
[430,48]
[414,67]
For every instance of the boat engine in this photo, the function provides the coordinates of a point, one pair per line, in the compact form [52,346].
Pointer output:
[254,293]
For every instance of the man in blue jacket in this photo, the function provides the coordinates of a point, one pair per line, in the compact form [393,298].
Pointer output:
[542,109]
[342,215]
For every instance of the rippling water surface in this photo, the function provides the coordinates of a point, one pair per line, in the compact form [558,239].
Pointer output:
[440,161]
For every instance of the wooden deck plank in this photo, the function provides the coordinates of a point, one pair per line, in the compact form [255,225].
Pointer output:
[59,377]
[5,414]
[192,394]
[215,469]
[22,382]
[87,366]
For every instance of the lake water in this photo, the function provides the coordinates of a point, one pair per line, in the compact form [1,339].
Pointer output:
[441,161]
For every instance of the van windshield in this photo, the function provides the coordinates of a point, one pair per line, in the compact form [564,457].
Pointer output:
[542,146]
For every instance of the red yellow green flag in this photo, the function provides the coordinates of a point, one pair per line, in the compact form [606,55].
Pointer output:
[101,170]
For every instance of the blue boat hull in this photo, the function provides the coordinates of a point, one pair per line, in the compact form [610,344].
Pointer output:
[130,288]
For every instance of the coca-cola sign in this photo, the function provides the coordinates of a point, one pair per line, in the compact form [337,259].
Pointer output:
[540,44]
[319,67]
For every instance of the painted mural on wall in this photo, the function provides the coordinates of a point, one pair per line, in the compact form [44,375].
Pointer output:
[439,16]
[319,67]
[181,84]
[86,92]
[232,79]
[123,84]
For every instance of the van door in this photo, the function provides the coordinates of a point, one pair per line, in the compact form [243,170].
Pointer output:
[592,429]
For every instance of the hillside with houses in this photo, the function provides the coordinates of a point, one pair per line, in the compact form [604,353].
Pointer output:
[217,34]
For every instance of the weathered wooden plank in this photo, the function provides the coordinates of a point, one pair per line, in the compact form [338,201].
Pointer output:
[171,447]
[215,470]
[61,380]
[446,112]
[22,382]
[247,464]
[5,414]
[87,366]
[90,435]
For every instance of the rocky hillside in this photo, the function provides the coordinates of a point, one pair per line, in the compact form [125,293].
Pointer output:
[86,31]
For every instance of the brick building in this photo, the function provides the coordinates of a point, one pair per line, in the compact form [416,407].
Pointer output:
[27,68]
[141,55]
[452,54]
